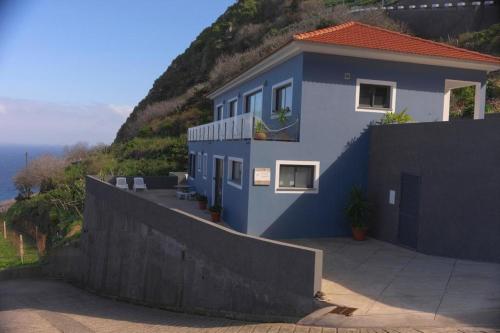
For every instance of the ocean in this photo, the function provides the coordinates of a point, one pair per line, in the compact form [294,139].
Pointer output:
[12,159]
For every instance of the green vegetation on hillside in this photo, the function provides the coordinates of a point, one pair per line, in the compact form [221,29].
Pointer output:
[9,252]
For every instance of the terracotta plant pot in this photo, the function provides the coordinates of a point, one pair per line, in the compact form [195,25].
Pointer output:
[215,216]
[359,234]
[202,205]
[260,136]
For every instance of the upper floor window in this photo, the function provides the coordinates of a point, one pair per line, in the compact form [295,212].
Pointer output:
[253,103]
[233,107]
[282,96]
[219,112]
[375,96]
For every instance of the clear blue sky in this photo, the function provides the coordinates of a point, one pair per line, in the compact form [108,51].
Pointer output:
[81,58]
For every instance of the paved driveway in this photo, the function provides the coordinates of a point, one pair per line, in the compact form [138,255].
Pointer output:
[394,287]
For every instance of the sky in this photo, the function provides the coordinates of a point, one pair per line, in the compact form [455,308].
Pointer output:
[71,70]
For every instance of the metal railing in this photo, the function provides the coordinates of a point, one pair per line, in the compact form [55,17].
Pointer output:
[246,127]
[235,128]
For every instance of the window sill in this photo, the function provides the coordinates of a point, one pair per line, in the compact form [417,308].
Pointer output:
[373,110]
[238,186]
[296,190]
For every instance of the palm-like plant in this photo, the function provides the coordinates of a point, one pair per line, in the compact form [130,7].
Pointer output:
[357,208]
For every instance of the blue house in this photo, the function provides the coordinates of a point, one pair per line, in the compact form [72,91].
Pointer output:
[289,140]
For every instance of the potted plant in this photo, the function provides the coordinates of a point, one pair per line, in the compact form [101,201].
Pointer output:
[282,115]
[357,213]
[202,201]
[260,131]
[216,212]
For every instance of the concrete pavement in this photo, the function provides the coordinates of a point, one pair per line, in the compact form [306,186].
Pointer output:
[47,306]
[394,287]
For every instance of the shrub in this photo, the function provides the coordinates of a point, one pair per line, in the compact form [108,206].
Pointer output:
[395,118]
[357,208]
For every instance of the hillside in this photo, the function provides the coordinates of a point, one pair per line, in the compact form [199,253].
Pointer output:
[244,34]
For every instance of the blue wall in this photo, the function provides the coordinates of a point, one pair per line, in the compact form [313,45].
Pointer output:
[331,131]
[291,68]
[235,200]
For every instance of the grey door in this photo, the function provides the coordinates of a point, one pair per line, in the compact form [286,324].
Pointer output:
[409,210]
[218,181]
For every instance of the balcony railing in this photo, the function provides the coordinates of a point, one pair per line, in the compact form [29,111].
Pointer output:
[235,128]
[245,126]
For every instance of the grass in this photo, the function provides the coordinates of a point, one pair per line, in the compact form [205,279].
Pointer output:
[9,256]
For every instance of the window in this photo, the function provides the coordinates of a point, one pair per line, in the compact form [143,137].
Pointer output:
[233,107]
[297,177]
[235,176]
[198,162]
[205,165]
[253,103]
[192,165]
[282,96]
[375,96]
[219,112]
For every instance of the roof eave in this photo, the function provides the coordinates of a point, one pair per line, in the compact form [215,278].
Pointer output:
[298,46]
[325,48]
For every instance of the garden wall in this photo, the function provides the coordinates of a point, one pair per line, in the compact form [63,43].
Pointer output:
[137,250]
[458,201]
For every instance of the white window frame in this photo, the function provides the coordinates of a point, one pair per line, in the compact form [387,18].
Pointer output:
[235,99]
[205,166]
[230,171]
[315,188]
[273,96]
[217,111]
[249,92]
[192,152]
[391,84]
[198,162]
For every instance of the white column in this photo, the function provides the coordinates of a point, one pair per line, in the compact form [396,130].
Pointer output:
[479,100]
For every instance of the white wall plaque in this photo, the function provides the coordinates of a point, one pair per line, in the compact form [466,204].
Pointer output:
[262,176]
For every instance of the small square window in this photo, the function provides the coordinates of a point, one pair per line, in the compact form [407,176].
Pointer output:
[235,175]
[297,176]
[219,112]
[375,96]
[233,108]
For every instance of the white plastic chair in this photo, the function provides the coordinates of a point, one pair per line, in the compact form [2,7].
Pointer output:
[139,184]
[121,182]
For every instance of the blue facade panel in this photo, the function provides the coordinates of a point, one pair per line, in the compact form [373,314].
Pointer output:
[334,134]
[234,200]
[290,69]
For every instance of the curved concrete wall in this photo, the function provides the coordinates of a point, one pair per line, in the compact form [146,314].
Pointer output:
[138,250]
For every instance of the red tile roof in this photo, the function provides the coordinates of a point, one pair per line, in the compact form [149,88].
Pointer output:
[360,35]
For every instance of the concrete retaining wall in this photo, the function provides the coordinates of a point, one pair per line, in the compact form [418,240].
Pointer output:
[137,250]
[459,166]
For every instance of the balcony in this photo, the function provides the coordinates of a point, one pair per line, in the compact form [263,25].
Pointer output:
[246,127]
